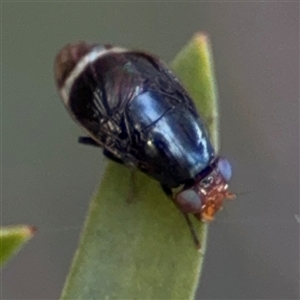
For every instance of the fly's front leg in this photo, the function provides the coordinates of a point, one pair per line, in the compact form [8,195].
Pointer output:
[169,194]
[167,191]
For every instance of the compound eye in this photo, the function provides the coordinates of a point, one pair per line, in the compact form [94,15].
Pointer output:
[224,168]
[188,201]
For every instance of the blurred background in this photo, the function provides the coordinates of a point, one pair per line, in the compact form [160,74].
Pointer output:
[48,179]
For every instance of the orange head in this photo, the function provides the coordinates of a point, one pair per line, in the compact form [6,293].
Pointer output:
[205,198]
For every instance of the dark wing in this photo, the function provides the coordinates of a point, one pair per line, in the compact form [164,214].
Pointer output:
[98,99]
[158,77]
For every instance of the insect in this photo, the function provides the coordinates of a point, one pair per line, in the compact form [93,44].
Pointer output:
[131,105]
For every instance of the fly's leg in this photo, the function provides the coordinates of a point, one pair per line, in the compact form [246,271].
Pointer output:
[112,157]
[169,194]
[85,140]
[132,194]
[132,185]
[193,231]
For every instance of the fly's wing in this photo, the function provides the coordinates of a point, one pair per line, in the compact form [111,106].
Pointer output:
[98,99]
[156,76]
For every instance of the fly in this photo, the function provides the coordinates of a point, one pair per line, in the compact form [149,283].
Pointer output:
[130,104]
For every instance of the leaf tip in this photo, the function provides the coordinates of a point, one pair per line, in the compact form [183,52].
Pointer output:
[32,230]
[12,238]
[26,231]
[201,37]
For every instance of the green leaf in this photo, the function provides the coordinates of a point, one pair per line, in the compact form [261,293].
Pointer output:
[12,238]
[135,243]
[194,67]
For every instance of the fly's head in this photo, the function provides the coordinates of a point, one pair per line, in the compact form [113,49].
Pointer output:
[205,198]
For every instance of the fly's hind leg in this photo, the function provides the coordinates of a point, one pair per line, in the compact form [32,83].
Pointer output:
[112,157]
[85,140]
[130,198]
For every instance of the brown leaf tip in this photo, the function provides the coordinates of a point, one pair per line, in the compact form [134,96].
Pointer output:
[202,37]
[32,230]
